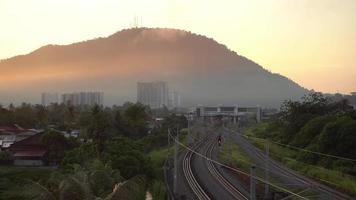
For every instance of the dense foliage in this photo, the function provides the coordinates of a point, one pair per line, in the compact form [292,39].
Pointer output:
[109,160]
[317,124]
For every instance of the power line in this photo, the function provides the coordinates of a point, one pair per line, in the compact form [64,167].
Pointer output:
[236,170]
[305,150]
[262,168]
[251,164]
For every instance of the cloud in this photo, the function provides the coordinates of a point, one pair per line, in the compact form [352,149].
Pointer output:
[169,35]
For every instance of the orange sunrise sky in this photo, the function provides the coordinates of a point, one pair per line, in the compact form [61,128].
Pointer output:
[313,42]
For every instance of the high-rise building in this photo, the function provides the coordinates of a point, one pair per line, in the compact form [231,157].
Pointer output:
[49,98]
[83,98]
[153,94]
[175,101]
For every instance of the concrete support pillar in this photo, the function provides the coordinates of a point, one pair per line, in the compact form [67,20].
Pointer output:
[175,176]
[267,169]
[258,114]
[253,183]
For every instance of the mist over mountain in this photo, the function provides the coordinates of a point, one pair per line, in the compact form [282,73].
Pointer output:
[200,69]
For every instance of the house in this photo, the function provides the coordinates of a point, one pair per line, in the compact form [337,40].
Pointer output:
[12,134]
[29,151]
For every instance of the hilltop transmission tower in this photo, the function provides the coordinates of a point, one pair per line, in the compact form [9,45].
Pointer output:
[136,23]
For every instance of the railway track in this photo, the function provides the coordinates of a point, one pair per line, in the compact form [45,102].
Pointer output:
[193,183]
[189,176]
[219,177]
[333,194]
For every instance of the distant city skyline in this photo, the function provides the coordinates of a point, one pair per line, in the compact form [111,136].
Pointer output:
[73,98]
[83,98]
[154,94]
[49,98]
[311,42]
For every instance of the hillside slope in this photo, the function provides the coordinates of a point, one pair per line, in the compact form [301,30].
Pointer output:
[202,70]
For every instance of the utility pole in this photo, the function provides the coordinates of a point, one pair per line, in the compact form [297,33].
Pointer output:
[169,142]
[175,163]
[267,170]
[189,134]
[252,183]
[231,148]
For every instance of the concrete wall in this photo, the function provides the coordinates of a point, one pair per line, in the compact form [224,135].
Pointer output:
[28,163]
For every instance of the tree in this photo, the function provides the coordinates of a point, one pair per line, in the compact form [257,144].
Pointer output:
[295,114]
[137,117]
[86,152]
[99,123]
[128,157]
[41,115]
[339,138]
[6,117]
[133,189]
[120,124]
[57,115]
[25,116]
[311,130]
[70,115]
[56,145]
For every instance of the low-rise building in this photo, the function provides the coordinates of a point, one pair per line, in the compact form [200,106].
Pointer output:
[11,134]
[29,151]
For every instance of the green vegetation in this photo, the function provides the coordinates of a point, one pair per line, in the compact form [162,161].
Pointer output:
[13,178]
[232,154]
[120,155]
[289,157]
[158,158]
[314,125]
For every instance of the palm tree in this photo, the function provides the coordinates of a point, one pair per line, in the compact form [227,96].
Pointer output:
[78,186]
[97,128]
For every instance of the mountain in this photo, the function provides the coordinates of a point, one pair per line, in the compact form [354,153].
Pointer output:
[200,69]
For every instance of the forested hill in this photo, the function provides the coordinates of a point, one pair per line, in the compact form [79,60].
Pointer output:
[202,70]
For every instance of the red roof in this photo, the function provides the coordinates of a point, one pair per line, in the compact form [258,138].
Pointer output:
[12,129]
[30,153]
[30,143]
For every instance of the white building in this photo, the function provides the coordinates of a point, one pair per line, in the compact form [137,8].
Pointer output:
[234,112]
[49,98]
[153,94]
[175,101]
[83,98]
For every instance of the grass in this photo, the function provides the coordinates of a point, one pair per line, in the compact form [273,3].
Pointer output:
[287,156]
[158,188]
[32,173]
[232,154]
[158,158]
[240,160]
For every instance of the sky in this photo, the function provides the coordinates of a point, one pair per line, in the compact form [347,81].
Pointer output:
[313,42]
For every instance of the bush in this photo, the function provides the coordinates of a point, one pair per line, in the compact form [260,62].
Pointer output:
[4,155]
[127,156]
[158,190]
[80,155]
